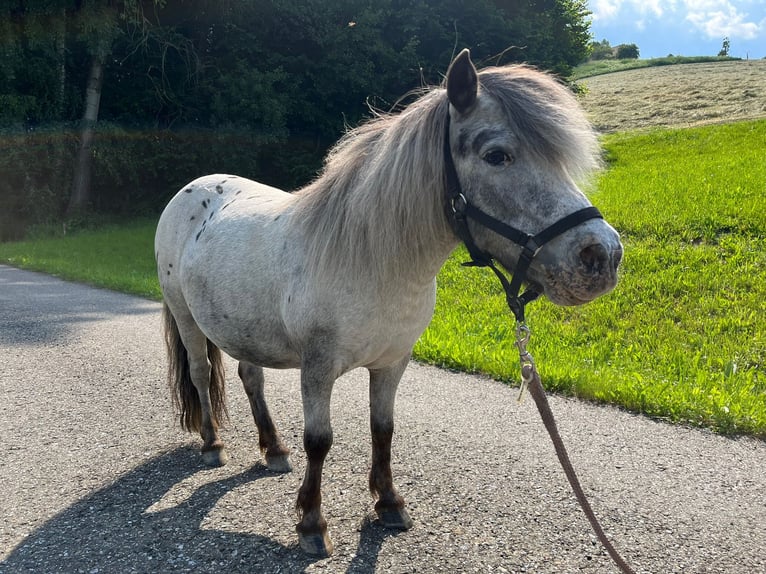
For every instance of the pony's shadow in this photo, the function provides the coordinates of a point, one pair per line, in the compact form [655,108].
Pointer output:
[111,531]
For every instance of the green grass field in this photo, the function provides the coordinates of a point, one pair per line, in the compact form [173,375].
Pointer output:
[600,67]
[682,338]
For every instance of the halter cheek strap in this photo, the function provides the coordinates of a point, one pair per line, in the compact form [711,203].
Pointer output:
[459,210]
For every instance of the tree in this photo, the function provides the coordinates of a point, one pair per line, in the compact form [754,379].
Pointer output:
[553,34]
[724,52]
[601,50]
[112,104]
[627,52]
[98,25]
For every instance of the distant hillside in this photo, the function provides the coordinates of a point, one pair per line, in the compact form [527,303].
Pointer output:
[678,95]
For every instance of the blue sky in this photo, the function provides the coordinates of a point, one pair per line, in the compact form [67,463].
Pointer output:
[682,27]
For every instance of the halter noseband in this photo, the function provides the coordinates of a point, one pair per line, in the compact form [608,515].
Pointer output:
[459,210]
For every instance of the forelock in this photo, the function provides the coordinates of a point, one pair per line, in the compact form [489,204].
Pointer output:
[546,117]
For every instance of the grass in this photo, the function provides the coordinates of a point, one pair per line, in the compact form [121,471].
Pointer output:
[599,67]
[115,256]
[682,338]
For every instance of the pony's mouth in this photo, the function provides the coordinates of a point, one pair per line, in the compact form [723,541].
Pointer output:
[572,289]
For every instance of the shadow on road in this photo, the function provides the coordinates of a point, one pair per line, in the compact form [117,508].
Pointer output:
[112,532]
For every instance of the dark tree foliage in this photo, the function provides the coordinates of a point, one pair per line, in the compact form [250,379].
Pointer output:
[627,52]
[256,87]
[601,50]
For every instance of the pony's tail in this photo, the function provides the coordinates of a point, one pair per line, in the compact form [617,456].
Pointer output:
[185,397]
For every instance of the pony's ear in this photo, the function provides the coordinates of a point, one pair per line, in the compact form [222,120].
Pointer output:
[462,82]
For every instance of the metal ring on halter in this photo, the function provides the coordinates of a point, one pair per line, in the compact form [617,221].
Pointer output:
[462,198]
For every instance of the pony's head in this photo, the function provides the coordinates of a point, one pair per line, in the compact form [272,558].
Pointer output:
[519,141]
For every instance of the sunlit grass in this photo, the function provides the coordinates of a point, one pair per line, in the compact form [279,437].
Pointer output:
[116,256]
[599,67]
[683,336]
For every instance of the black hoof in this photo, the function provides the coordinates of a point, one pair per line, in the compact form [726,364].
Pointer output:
[395,518]
[316,544]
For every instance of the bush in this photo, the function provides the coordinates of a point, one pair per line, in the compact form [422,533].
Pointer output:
[37,170]
[138,171]
[135,171]
[627,52]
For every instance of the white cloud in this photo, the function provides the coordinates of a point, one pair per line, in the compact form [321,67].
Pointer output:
[605,9]
[612,9]
[718,19]
[653,7]
[714,18]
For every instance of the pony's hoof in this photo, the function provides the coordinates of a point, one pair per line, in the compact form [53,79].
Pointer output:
[316,544]
[278,463]
[395,518]
[215,457]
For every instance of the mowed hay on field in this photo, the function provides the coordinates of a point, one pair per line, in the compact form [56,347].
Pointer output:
[677,96]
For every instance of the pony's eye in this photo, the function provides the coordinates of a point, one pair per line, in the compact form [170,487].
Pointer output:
[497,157]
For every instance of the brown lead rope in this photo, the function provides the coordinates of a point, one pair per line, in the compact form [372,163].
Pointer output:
[531,379]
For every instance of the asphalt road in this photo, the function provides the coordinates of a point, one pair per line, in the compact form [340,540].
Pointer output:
[96,477]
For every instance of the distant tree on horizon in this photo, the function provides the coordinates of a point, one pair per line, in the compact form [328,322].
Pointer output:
[725,47]
[601,50]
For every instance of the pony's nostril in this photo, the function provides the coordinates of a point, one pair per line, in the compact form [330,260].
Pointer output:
[594,258]
[616,257]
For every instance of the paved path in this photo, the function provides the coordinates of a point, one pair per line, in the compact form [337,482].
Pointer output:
[96,478]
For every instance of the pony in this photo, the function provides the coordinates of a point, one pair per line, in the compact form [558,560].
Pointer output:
[341,274]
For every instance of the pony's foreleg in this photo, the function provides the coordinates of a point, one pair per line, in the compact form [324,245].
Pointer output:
[390,505]
[316,390]
[272,447]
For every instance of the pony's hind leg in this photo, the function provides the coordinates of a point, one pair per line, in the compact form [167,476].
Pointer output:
[272,447]
[197,378]
[390,505]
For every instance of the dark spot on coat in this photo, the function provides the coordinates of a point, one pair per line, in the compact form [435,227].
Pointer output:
[218,188]
[188,190]
[227,205]
[277,218]
[204,223]
[212,213]
[168,271]
[170,265]
[225,316]
[204,203]
[192,218]
[238,192]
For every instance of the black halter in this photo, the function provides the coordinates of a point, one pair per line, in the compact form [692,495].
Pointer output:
[458,212]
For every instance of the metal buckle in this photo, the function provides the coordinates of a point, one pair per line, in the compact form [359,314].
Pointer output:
[523,333]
